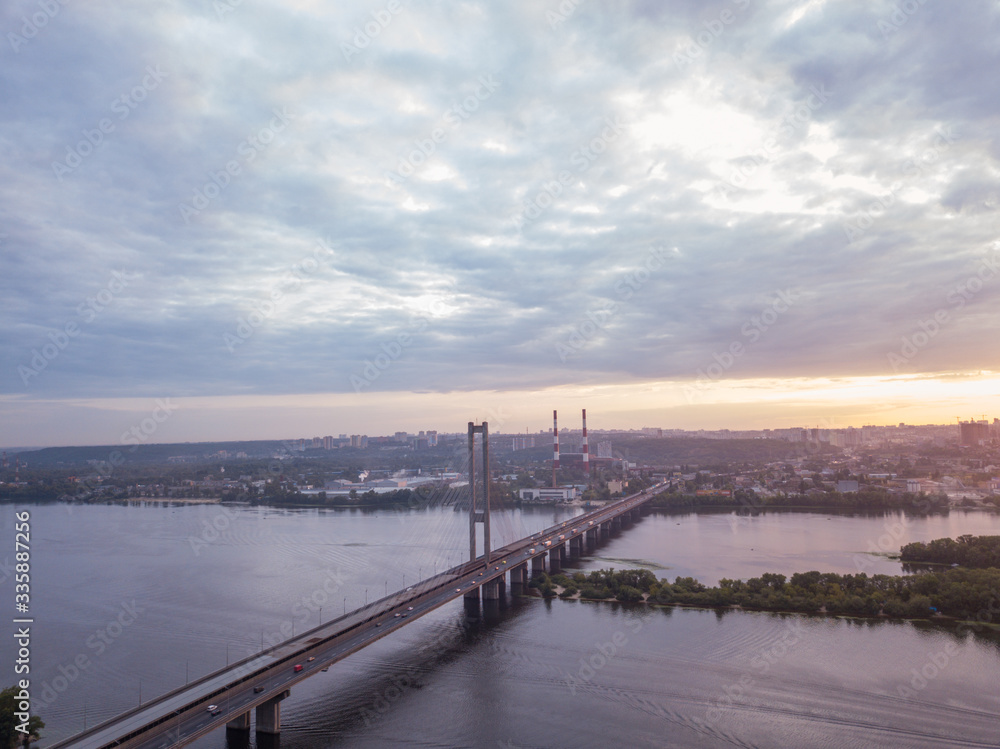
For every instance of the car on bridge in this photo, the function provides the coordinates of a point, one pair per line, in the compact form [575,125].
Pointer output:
[298,667]
[214,709]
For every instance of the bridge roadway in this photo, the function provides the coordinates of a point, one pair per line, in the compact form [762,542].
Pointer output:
[181,716]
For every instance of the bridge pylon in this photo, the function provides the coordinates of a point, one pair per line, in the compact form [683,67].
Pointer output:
[475,515]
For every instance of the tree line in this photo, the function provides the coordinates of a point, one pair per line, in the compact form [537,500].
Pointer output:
[968,551]
[971,591]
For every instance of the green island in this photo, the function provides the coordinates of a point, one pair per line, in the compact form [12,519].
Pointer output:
[967,551]
[960,593]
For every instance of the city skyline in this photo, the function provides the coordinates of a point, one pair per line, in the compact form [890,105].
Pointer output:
[238,222]
[569,426]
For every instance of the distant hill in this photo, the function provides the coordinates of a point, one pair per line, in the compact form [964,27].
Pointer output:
[197,451]
[701,451]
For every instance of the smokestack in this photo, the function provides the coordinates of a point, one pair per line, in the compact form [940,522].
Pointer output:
[586,448]
[555,448]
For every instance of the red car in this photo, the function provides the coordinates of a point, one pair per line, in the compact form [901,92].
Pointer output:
[298,667]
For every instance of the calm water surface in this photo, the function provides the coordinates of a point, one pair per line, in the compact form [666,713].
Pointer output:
[210,583]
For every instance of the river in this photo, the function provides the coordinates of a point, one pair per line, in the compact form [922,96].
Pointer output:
[128,601]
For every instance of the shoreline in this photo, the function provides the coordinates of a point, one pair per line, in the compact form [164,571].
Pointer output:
[735,607]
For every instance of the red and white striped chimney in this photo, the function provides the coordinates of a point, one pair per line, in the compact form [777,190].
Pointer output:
[586,448]
[555,441]
[555,448]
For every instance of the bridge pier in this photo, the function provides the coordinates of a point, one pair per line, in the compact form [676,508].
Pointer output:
[472,610]
[240,722]
[269,714]
[576,546]
[240,739]
[538,564]
[593,534]
[519,579]
[556,557]
[491,591]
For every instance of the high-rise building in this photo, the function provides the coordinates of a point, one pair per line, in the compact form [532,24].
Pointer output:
[973,432]
[523,441]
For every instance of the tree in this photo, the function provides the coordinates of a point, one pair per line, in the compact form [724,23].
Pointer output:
[9,722]
[629,594]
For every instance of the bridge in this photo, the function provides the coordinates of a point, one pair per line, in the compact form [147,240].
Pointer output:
[259,683]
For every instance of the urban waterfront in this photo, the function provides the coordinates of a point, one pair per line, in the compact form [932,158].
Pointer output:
[152,594]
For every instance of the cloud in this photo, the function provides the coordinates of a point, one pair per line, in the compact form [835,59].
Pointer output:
[520,211]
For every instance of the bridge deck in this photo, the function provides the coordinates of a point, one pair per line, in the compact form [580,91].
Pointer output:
[180,716]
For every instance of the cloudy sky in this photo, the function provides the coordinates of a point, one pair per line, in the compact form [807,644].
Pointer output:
[303,218]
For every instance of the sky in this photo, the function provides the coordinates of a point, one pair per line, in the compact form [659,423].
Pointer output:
[226,219]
